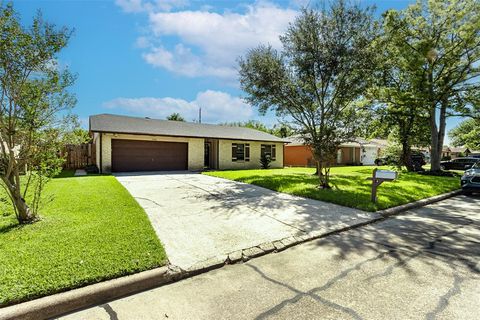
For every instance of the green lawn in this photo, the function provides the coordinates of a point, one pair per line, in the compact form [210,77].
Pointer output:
[350,185]
[91,229]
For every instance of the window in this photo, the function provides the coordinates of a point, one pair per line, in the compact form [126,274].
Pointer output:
[268,150]
[240,152]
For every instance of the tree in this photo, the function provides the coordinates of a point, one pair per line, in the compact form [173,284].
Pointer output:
[32,93]
[317,79]
[252,124]
[441,39]
[397,105]
[175,117]
[466,134]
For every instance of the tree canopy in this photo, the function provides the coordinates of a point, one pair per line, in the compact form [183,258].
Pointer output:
[175,117]
[34,107]
[466,134]
[316,81]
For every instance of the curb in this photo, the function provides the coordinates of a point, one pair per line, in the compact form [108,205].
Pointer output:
[420,203]
[102,292]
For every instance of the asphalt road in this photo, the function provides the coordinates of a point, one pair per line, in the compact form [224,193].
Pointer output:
[420,265]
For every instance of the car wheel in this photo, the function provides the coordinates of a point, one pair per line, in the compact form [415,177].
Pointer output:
[442,167]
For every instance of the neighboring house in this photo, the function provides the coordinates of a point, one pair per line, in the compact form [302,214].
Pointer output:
[446,152]
[457,152]
[297,154]
[143,144]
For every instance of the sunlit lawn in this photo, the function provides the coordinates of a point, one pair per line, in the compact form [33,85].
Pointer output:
[350,185]
[91,230]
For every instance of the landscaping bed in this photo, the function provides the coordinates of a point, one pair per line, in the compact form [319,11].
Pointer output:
[91,229]
[350,186]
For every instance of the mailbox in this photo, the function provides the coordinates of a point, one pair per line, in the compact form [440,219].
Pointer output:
[385,174]
[378,177]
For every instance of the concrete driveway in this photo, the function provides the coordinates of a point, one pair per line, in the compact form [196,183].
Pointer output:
[198,217]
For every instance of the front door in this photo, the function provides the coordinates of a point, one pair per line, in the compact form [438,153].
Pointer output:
[206,158]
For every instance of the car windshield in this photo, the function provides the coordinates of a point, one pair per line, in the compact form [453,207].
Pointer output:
[476,165]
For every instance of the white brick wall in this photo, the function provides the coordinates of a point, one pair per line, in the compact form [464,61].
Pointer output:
[225,155]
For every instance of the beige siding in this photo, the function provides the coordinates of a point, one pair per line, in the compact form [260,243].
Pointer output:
[225,155]
[195,148]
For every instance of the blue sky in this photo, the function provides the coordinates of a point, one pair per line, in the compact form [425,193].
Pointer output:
[152,58]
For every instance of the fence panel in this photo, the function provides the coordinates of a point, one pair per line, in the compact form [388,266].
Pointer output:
[79,156]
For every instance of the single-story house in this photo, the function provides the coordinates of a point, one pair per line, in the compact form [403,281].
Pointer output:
[361,151]
[456,152]
[126,144]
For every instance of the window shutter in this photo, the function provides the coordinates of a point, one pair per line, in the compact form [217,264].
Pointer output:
[247,152]
[234,152]
[262,151]
[274,152]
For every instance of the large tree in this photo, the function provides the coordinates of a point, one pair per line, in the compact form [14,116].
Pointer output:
[441,38]
[318,77]
[466,134]
[32,94]
[398,105]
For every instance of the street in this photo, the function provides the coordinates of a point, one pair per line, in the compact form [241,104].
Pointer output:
[423,264]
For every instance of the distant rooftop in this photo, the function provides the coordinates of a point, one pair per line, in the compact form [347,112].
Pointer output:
[134,125]
[297,140]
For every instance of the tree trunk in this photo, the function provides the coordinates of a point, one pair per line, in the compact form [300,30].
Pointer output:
[407,156]
[436,148]
[22,210]
[323,177]
[24,214]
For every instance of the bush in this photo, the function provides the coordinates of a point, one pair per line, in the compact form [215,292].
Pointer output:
[446,158]
[265,161]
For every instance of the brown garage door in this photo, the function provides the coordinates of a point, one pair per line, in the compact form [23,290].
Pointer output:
[136,155]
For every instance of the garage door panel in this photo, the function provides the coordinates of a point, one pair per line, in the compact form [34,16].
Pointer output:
[136,155]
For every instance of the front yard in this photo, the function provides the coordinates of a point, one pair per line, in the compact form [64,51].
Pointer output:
[350,185]
[91,230]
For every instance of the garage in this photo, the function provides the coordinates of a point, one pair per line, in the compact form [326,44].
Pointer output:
[137,155]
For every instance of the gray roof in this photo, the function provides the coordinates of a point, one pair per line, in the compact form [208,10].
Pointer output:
[135,125]
[297,140]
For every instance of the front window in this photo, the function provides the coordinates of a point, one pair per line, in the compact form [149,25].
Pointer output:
[268,150]
[240,152]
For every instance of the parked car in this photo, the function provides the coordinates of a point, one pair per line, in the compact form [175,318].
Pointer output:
[417,158]
[470,180]
[384,161]
[459,163]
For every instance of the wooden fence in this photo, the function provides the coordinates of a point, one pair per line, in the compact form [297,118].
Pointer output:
[78,156]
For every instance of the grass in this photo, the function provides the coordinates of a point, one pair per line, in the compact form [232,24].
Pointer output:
[350,185]
[90,230]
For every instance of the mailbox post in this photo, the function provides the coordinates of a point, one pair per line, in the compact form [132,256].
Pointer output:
[378,177]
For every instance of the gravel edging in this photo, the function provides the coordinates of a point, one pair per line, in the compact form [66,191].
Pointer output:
[102,292]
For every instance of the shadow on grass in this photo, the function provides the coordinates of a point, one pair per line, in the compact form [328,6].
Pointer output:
[354,190]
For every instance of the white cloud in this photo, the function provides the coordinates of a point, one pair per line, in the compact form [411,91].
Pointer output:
[208,43]
[216,107]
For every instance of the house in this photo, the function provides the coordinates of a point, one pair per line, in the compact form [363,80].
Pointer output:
[142,144]
[457,152]
[297,154]
[446,152]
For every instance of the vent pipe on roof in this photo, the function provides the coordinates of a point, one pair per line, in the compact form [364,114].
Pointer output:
[200,115]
